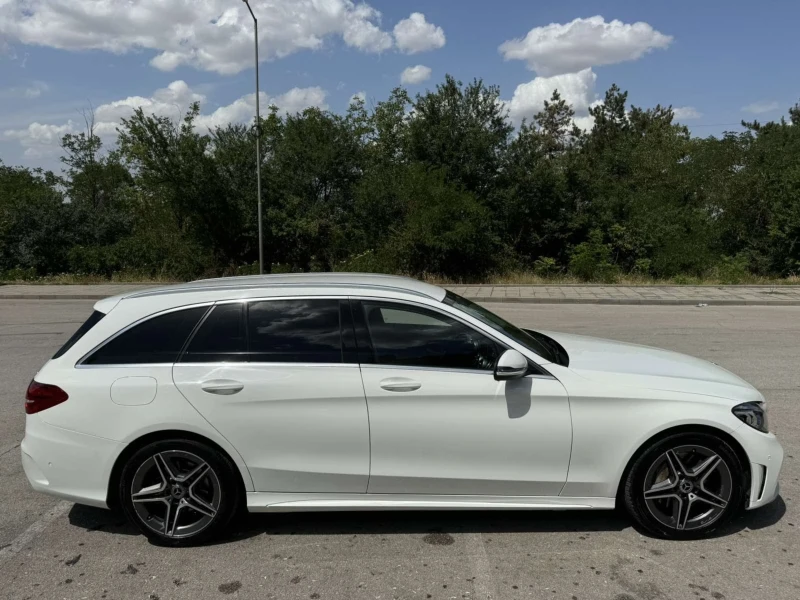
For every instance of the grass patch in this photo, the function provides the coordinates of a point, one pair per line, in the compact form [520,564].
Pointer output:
[531,278]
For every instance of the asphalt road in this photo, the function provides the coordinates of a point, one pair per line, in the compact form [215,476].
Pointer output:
[51,549]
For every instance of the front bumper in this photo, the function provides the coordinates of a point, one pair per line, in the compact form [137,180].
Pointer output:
[68,464]
[766,459]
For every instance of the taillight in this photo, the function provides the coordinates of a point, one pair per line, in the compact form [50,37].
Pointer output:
[41,396]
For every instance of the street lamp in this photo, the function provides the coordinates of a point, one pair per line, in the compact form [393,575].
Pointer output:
[258,149]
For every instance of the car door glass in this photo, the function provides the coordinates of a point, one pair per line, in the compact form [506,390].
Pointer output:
[220,338]
[295,331]
[156,340]
[416,337]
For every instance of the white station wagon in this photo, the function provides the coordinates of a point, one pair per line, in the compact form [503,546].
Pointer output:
[183,404]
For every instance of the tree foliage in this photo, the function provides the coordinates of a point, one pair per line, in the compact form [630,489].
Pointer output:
[441,183]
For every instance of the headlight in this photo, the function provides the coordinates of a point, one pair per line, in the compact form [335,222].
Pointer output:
[754,414]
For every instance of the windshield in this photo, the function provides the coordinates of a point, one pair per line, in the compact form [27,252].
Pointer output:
[495,322]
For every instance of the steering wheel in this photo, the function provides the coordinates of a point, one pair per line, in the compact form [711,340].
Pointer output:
[482,351]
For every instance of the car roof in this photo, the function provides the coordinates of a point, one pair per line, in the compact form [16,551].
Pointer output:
[305,283]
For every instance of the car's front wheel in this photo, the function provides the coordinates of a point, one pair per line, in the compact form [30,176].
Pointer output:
[685,486]
[179,492]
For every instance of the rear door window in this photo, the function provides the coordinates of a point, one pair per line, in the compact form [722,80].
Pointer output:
[159,339]
[295,331]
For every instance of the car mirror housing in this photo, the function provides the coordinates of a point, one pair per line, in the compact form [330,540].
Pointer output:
[511,365]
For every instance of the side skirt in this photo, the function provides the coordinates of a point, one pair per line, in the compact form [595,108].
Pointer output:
[282,502]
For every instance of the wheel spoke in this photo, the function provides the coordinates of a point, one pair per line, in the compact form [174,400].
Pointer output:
[199,505]
[675,464]
[702,495]
[163,467]
[706,467]
[680,512]
[196,475]
[152,493]
[664,489]
[170,516]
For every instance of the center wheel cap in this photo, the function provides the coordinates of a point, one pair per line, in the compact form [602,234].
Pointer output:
[686,486]
[178,492]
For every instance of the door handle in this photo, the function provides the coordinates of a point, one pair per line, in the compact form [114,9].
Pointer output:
[222,387]
[399,384]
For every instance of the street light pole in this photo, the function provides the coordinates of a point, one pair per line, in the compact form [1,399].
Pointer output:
[258,149]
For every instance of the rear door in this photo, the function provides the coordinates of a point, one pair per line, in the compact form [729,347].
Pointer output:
[279,379]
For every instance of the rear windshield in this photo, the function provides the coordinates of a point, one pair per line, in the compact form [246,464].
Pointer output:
[90,322]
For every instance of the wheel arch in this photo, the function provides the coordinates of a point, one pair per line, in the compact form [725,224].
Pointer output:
[112,498]
[688,428]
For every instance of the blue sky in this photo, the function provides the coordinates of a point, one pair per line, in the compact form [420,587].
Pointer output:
[719,62]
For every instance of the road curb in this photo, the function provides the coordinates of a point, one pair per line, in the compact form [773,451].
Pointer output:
[54,296]
[503,299]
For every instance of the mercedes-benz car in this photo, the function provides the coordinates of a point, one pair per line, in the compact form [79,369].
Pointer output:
[183,405]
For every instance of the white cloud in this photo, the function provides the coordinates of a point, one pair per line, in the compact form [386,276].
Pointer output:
[585,122]
[577,89]
[34,90]
[364,34]
[415,34]
[415,75]
[762,106]
[362,96]
[213,35]
[686,113]
[41,140]
[171,101]
[566,48]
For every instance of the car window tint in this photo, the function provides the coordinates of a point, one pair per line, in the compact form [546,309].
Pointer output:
[220,338]
[416,337]
[302,331]
[408,317]
[93,320]
[156,340]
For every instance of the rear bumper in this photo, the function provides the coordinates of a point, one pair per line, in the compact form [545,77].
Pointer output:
[766,459]
[70,465]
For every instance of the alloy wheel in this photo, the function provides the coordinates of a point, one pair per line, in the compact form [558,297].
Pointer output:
[176,493]
[688,487]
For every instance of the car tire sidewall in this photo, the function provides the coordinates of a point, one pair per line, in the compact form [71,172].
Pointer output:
[633,494]
[222,466]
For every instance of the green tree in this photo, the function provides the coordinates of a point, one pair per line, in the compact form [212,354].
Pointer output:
[35,224]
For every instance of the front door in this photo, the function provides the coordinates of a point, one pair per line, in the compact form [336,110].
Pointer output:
[441,424]
[275,378]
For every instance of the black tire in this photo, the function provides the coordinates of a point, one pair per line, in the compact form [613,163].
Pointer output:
[179,501]
[672,486]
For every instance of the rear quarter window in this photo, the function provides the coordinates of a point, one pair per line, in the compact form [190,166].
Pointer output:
[159,339]
[93,320]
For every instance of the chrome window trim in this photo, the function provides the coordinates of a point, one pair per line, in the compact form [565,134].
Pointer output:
[279,298]
[265,364]
[437,369]
[126,366]
[456,316]
[129,326]
[483,328]
[450,370]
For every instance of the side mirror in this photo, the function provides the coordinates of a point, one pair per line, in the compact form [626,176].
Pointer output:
[511,365]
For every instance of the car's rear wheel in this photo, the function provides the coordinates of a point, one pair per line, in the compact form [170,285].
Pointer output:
[685,486]
[179,492]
